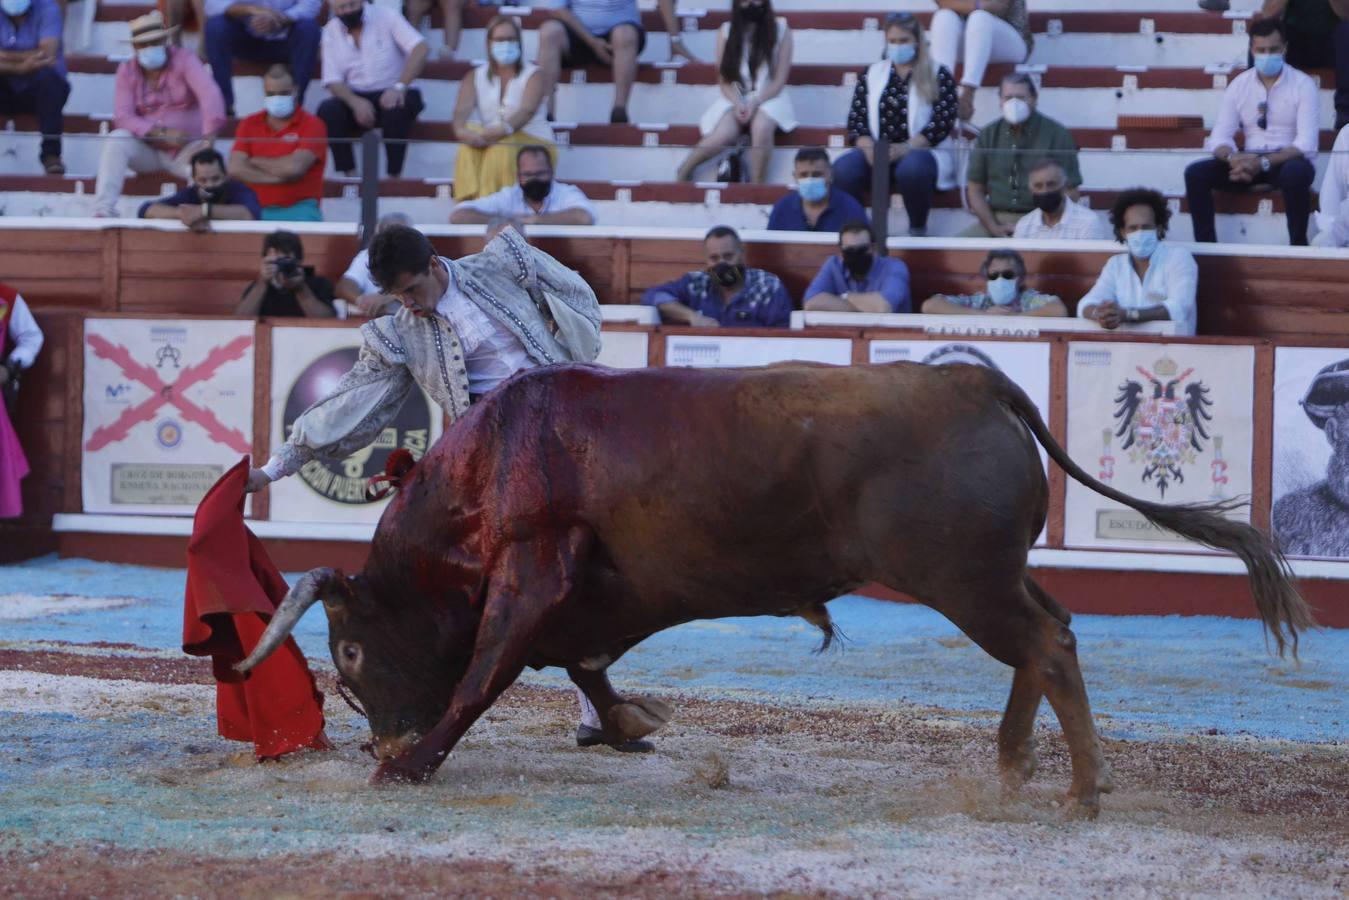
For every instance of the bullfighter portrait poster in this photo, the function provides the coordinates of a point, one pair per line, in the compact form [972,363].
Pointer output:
[1169,423]
[1311,451]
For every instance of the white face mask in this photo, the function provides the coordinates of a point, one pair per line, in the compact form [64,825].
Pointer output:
[507,53]
[280,106]
[1142,244]
[1015,110]
[152,58]
[15,8]
[1002,290]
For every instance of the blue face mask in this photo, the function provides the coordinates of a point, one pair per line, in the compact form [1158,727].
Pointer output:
[279,106]
[1269,64]
[15,8]
[1002,290]
[812,190]
[1142,244]
[152,58]
[507,53]
[901,54]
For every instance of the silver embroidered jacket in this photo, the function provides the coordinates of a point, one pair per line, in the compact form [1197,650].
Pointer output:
[547,306]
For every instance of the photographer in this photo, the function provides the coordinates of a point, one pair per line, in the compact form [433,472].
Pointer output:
[285,286]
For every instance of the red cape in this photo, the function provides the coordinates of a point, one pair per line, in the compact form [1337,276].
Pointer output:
[232,591]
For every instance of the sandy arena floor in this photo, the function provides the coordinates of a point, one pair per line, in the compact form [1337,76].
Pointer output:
[865,772]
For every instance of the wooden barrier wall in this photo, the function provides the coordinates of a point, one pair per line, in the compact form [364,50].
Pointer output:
[175,272]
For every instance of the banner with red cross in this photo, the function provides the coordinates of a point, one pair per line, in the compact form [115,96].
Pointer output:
[168,407]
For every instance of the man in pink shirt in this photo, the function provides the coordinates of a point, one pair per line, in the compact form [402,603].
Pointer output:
[166,107]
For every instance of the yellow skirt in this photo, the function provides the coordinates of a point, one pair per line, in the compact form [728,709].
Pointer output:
[479,171]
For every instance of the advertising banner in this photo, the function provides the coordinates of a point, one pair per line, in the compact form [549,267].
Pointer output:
[711,351]
[1311,451]
[1167,423]
[306,364]
[168,406]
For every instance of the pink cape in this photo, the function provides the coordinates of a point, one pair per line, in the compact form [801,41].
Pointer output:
[232,591]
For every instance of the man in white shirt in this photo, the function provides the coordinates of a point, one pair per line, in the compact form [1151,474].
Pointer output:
[1056,217]
[1276,108]
[371,54]
[1332,221]
[1154,281]
[358,288]
[535,199]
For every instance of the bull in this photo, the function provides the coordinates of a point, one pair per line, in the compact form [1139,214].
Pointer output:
[576,511]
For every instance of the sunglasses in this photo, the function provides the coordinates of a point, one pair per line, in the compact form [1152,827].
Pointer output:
[1263,122]
[905,19]
[995,275]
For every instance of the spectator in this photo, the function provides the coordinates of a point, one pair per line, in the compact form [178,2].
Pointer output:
[857,280]
[370,56]
[18,323]
[211,197]
[451,17]
[815,205]
[280,153]
[1057,216]
[1154,281]
[274,31]
[185,15]
[1332,221]
[998,189]
[979,32]
[1275,106]
[754,53]
[535,198]
[600,33]
[1005,294]
[506,94]
[910,102]
[725,293]
[33,72]
[166,108]
[357,287]
[285,286]
[1318,38]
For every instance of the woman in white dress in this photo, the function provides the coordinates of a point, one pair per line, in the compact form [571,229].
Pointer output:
[506,96]
[754,50]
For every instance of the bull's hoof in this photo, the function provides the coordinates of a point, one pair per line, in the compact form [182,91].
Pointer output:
[1018,769]
[594,737]
[1105,779]
[394,771]
[1081,809]
[639,717]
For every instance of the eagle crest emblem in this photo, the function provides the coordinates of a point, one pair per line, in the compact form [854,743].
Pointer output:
[1162,421]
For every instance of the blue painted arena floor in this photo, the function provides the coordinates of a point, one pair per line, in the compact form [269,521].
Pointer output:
[868,770]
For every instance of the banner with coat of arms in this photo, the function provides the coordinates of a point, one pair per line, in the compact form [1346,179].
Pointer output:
[168,406]
[1169,423]
[306,364]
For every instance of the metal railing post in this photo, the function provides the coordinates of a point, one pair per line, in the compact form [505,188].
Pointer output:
[369,186]
[880,194]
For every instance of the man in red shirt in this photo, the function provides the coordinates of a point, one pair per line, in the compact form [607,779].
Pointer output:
[281,152]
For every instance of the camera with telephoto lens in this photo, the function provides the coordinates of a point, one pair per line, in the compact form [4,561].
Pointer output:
[286,266]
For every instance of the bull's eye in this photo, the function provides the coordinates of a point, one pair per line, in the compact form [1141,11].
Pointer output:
[349,655]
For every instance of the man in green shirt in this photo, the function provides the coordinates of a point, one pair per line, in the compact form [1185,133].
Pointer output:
[998,188]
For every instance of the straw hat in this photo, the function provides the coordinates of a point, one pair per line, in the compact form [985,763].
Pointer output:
[149,27]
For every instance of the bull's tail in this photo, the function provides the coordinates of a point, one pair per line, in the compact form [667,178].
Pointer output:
[1282,609]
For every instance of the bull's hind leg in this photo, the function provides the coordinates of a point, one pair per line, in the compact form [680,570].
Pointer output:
[1017,629]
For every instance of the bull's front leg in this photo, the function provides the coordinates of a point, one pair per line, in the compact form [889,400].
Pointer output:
[526,586]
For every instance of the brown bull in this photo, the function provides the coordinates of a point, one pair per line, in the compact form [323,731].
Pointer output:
[577,510]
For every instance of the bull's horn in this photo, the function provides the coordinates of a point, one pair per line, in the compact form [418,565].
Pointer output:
[298,599]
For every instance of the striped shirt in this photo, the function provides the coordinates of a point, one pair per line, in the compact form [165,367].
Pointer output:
[377,64]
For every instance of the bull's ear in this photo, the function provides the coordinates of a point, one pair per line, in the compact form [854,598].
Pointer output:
[351,594]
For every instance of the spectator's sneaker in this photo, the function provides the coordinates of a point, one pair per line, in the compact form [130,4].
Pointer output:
[619,116]
[594,737]
[918,232]
[52,165]
[1215,5]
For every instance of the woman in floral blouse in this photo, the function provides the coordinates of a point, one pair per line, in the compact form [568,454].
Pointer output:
[910,102]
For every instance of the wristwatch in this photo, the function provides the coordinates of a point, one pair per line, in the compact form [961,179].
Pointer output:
[843,296]
[1264,163]
[206,210]
[400,87]
[1133,315]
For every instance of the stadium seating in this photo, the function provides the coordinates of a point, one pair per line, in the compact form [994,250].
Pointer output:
[1138,89]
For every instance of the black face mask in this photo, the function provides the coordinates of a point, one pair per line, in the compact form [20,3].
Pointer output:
[1048,202]
[352,19]
[753,12]
[537,188]
[727,275]
[857,260]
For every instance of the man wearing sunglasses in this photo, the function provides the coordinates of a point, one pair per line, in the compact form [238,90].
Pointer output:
[1005,293]
[1275,107]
